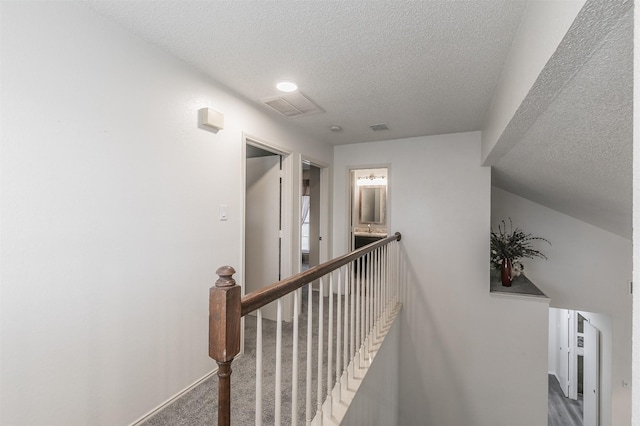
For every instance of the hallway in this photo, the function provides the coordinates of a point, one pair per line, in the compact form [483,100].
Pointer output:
[563,411]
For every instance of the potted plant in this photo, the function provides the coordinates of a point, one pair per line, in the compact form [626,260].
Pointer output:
[508,246]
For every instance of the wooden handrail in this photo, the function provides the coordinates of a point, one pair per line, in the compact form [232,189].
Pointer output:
[227,307]
[266,295]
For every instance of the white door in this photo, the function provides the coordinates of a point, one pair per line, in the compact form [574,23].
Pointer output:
[591,374]
[262,226]
[564,350]
[314,221]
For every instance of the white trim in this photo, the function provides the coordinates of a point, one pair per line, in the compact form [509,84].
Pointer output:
[326,204]
[169,401]
[529,297]
[286,208]
[349,213]
[262,144]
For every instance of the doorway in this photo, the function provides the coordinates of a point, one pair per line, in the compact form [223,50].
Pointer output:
[575,362]
[310,237]
[266,249]
[368,205]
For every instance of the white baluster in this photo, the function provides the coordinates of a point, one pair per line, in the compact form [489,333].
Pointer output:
[259,367]
[371,304]
[376,291]
[387,299]
[383,299]
[330,343]
[358,310]
[380,293]
[278,395]
[400,274]
[376,296]
[338,332]
[345,323]
[392,273]
[294,367]
[320,349]
[352,293]
[367,313]
[363,296]
[308,413]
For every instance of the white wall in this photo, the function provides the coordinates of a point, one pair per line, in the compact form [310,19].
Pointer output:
[378,397]
[462,350]
[636,214]
[554,340]
[588,270]
[110,196]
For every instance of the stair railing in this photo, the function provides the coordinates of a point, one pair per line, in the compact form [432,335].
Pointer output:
[368,299]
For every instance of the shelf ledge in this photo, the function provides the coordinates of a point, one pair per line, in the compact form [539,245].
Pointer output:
[521,288]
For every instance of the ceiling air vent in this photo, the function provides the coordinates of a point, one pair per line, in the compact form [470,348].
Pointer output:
[378,127]
[292,105]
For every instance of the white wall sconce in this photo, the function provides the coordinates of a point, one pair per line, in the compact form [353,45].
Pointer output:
[211,120]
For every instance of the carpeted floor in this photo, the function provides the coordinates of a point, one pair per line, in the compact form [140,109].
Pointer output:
[199,406]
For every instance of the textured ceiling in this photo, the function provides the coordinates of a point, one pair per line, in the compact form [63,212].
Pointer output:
[577,156]
[421,67]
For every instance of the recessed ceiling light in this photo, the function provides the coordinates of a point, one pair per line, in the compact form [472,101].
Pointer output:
[335,128]
[287,86]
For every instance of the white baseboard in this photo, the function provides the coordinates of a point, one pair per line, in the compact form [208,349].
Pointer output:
[173,398]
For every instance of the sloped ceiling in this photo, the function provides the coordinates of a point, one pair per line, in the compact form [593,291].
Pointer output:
[576,157]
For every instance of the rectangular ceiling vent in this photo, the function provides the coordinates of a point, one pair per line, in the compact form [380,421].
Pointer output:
[378,127]
[292,105]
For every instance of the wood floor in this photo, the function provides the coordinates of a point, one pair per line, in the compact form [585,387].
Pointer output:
[563,411]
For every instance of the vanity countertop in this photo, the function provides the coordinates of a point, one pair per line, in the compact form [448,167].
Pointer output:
[373,232]
[370,234]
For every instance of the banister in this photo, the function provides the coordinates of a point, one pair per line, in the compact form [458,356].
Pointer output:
[224,335]
[226,307]
[266,295]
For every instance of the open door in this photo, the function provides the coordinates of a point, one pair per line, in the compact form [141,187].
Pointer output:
[564,323]
[262,222]
[591,370]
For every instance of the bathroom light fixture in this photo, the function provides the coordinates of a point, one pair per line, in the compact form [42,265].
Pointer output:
[287,86]
[371,180]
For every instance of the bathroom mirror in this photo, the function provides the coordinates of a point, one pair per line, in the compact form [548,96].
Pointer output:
[373,200]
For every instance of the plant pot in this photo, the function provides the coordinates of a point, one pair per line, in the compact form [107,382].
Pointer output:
[505,272]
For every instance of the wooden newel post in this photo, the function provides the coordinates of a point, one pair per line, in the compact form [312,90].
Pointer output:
[224,335]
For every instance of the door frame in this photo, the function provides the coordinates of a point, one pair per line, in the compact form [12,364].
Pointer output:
[349,201]
[285,220]
[325,210]
[595,345]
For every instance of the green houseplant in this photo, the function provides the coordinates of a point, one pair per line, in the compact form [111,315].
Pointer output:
[510,245]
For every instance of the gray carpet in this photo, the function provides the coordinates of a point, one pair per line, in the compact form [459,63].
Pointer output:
[199,406]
